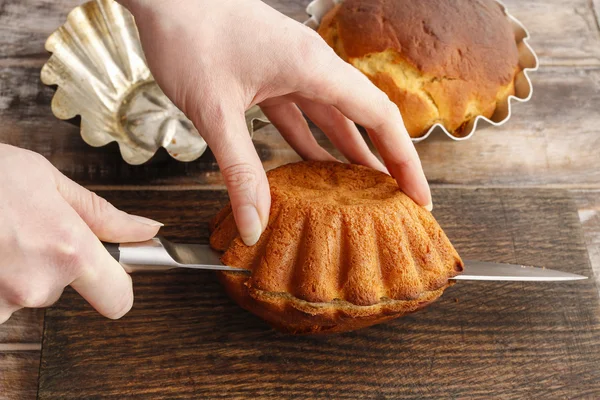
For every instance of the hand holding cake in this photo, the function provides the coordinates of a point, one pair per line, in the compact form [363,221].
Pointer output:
[215,59]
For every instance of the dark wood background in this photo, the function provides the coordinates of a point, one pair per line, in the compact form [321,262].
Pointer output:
[185,339]
[550,143]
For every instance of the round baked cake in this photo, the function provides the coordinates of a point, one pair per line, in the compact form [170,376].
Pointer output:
[344,249]
[440,61]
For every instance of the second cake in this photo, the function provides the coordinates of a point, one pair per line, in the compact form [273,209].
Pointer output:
[441,61]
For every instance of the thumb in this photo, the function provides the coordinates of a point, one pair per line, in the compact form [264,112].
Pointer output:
[107,222]
[243,173]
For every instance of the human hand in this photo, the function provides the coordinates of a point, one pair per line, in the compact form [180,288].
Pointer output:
[216,58]
[50,232]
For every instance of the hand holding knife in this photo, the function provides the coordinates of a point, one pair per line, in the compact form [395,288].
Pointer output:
[161,254]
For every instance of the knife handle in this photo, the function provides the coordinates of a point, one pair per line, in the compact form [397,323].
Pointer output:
[140,261]
[113,250]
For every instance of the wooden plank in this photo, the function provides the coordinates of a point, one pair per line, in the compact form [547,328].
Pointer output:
[19,375]
[25,326]
[588,204]
[25,26]
[551,140]
[562,32]
[547,141]
[185,339]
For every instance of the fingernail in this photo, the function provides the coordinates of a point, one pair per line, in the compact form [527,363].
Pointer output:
[145,221]
[382,168]
[429,207]
[249,224]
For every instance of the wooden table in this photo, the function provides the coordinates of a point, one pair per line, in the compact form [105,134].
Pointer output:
[551,143]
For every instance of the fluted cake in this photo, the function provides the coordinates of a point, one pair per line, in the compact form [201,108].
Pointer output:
[344,249]
[440,61]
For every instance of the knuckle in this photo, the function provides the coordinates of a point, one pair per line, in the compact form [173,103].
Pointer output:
[99,205]
[66,250]
[38,161]
[208,111]
[240,177]
[388,107]
[214,115]
[51,299]
[34,157]
[98,209]
[334,117]
[306,45]
[28,159]
[313,53]
[28,296]
[314,42]
[403,163]
[389,112]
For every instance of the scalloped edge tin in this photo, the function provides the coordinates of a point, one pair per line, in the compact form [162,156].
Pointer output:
[98,67]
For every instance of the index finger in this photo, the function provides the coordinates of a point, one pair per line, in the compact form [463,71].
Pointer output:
[344,87]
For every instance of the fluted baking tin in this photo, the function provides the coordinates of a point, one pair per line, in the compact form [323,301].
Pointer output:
[100,72]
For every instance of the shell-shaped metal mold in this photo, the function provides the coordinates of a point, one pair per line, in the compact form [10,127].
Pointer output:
[100,71]
[528,62]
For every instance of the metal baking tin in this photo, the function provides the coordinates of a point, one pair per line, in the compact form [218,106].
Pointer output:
[99,69]
[528,62]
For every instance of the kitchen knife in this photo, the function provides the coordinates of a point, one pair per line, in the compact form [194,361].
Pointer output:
[161,254]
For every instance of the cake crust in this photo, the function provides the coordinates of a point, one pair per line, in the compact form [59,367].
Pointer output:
[344,248]
[440,61]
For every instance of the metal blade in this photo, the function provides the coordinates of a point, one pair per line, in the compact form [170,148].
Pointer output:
[201,256]
[197,256]
[159,252]
[489,271]
[193,254]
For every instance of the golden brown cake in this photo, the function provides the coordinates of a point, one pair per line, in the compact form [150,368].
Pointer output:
[344,249]
[440,61]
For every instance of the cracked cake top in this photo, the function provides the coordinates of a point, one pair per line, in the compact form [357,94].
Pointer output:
[440,61]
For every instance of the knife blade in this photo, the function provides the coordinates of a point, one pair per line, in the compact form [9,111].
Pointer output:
[490,271]
[161,254]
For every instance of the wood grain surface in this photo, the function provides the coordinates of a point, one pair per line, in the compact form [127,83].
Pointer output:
[19,374]
[185,339]
[25,326]
[550,142]
[563,32]
[588,205]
